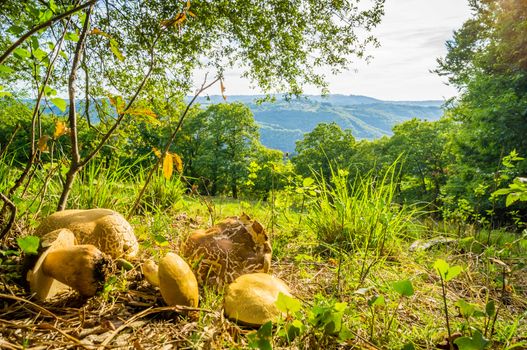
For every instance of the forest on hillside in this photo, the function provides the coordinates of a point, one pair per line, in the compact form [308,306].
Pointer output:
[413,240]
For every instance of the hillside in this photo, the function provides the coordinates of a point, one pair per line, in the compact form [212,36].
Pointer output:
[283,122]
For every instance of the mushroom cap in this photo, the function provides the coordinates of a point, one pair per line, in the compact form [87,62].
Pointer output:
[233,247]
[251,298]
[104,228]
[46,287]
[177,282]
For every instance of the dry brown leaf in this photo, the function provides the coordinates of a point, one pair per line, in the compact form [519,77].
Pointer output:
[42,143]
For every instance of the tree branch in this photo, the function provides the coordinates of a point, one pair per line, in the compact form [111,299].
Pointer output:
[41,26]
[11,221]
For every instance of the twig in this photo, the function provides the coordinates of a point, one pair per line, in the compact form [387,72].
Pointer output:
[146,313]
[11,221]
[38,307]
[6,146]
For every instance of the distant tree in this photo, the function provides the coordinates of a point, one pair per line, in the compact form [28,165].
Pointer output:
[487,61]
[421,146]
[324,148]
[229,133]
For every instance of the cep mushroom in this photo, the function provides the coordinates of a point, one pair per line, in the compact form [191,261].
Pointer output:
[63,264]
[104,228]
[177,282]
[233,247]
[150,271]
[250,299]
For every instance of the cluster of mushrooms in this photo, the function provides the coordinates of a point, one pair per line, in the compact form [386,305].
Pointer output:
[78,247]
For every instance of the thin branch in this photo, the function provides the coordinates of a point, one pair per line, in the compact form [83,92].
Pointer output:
[6,146]
[42,26]
[11,221]
[169,143]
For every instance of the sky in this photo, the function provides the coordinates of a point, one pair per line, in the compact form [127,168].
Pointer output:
[412,36]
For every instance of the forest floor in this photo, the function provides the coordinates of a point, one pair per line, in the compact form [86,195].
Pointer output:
[357,313]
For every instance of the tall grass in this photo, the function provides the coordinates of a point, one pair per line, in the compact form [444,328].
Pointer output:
[360,215]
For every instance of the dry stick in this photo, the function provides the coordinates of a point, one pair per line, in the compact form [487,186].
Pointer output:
[72,116]
[11,221]
[6,146]
[146,313]
[169,143]
[42,26]
[38,307]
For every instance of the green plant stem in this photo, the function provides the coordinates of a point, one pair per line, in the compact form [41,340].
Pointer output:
[446,312]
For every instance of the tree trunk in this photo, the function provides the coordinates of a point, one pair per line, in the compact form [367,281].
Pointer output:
[66,189]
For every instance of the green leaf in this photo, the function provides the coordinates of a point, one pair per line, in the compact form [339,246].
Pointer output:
[60,103]
[4,70]
[453,272]
[408,346]
[490,308]
[21,53]
[441,266]
[16,30]
[4,93]
[466,309]
[39,54]
[404,288]
[28,244]
[376,300]
[71,36]
[114,47]
[287,304]
[308,181]
[476,342]
[49,91]
[511,199]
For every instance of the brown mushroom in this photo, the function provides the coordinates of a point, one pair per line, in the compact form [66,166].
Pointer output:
[105,229]
[63,264]
[233,247]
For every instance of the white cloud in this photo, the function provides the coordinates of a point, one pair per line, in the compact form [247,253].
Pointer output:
[412,35]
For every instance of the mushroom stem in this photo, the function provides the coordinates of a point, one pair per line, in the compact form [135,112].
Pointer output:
[82,267]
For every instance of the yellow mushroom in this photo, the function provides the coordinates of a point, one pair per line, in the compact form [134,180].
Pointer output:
[150,271]
[251,298]
[177,282]
[63,264]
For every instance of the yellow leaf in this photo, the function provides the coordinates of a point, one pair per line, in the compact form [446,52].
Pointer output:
[42,143]
[60,129]
[168,167]
[117,102]
[188,4]
[192,14]
[97,31]
[180,18]
[222,88]
[178,162]
[145,111]
[156,152]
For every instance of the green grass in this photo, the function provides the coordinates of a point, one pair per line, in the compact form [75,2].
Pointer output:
[347,244]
